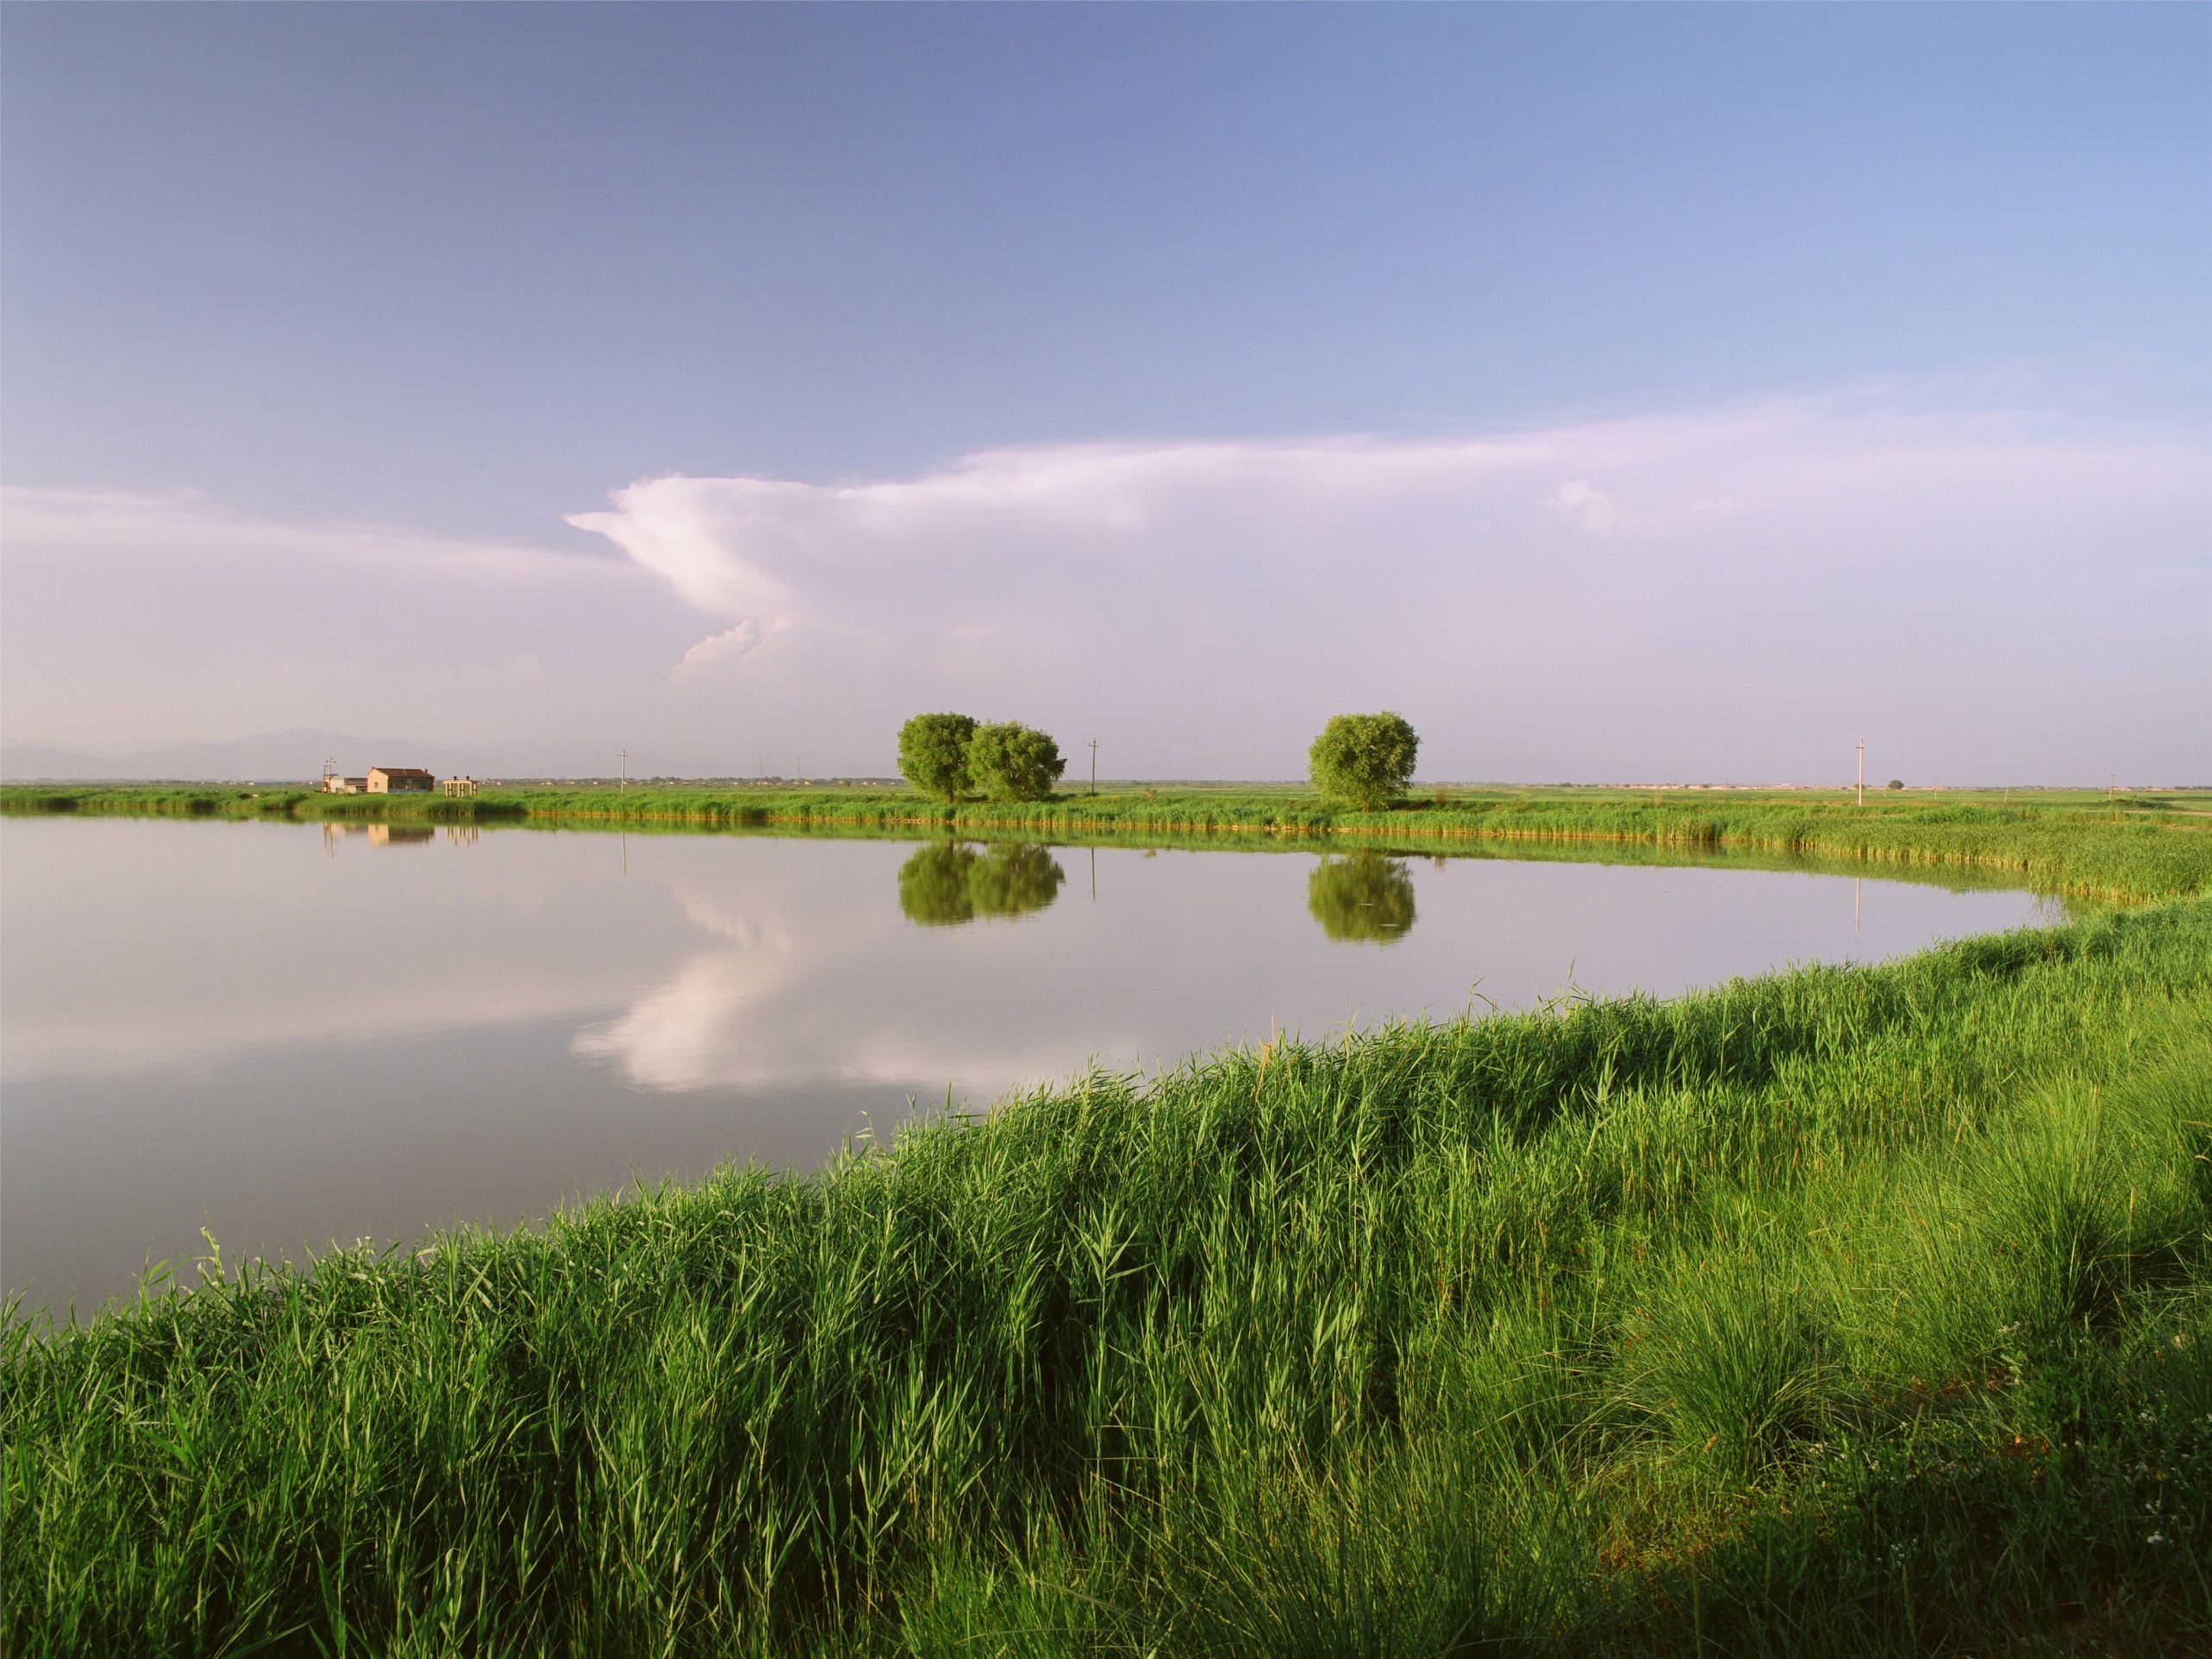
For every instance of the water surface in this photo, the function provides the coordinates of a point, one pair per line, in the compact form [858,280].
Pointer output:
[289,1033]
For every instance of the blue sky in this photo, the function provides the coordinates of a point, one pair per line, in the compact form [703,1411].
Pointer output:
[1812,367]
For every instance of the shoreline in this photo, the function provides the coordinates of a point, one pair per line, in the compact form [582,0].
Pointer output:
[2131,853]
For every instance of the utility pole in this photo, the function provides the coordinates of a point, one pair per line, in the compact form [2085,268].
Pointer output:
[1094,773]
[1862,772]
[625,784]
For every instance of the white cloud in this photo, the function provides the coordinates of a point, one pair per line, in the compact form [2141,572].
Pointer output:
[1588,505]
[1794,568]
[720,650]
[1721,593]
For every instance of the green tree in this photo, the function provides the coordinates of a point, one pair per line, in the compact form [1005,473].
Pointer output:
[946,884]
[1012,762]
[933,753]
[1365,898]
[1365,758]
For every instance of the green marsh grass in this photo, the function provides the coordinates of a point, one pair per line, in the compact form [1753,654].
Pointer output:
[2147,847]
[1842,1310]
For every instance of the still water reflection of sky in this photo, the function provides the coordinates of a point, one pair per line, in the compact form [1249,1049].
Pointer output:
[289,1035]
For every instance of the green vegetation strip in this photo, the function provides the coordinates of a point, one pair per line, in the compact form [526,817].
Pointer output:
[1843,1311]
[2070,843]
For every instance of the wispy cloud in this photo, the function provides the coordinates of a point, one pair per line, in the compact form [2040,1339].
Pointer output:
[131,619]
[1588,506]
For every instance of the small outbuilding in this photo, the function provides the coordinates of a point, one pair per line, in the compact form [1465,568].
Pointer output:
[401,781]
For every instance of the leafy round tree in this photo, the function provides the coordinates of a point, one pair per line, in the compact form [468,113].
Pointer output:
[1366,758]
[1366,898]
[933,753]
[1012,762]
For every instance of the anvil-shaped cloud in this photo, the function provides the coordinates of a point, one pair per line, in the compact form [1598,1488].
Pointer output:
[1853,557]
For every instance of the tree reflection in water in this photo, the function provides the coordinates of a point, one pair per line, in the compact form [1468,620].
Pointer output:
[946,884]
[1364,898]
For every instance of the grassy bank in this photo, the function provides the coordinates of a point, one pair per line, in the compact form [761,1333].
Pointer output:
[234,801]
[2132,847]
[1843,1311]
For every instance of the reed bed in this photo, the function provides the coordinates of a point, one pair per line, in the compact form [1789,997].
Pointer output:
[2083,847]
[1841,1311]
[228,801]
[2139,848]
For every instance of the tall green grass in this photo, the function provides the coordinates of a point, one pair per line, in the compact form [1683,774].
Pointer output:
[277,801]
[1841,1311]
[2147,847]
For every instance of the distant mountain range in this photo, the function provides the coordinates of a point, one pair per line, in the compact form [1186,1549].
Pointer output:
[269,755]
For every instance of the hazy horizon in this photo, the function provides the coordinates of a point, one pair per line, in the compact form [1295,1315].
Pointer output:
[35,763]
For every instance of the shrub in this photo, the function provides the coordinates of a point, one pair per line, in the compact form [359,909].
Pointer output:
[1366,758]
[933,753]
[1012,762]
[1896,783]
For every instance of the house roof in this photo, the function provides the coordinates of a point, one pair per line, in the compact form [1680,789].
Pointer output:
[401,772]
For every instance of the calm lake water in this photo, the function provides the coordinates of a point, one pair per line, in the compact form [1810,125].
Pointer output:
[288,1035]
